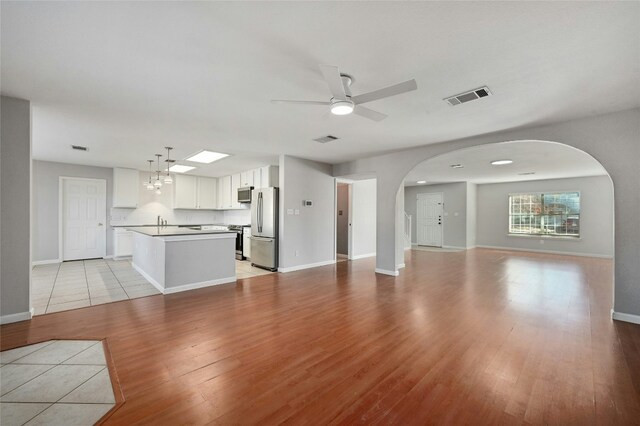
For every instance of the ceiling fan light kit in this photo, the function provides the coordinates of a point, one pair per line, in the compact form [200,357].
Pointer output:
[343,103]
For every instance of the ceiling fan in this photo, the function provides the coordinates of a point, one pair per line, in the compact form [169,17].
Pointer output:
[343,102]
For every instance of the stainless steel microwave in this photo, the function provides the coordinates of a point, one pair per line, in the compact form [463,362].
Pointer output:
[244,194]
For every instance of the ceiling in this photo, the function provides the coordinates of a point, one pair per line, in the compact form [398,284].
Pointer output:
[547,161]
[128,78]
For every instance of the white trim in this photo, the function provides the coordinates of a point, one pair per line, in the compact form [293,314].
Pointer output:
[620,316]
[153,282]
[112,257]
[184,287]
[401,265]
[20,316]
[362,256]
[387,272]
[451,247]
[193,286]
[45,262]
[567,253]
[342,256]
[307,266]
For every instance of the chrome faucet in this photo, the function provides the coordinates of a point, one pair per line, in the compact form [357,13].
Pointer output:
[161,222]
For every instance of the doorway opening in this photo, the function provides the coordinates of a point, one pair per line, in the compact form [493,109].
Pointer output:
[343,221]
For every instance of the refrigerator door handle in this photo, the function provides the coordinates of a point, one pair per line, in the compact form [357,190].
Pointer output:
[260,212]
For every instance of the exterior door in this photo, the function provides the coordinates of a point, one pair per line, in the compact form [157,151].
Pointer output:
[429,224]
[84,216]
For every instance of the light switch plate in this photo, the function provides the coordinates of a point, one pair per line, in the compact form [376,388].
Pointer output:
[289,211]
[296,211]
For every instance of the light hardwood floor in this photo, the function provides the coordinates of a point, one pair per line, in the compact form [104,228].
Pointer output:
[476,337]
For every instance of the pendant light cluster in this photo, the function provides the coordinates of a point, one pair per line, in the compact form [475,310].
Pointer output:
[158,178]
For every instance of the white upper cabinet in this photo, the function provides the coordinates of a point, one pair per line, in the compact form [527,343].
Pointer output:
[269,176]
[247,179]
[185,192]
[235,184]
[207,188]
[126,188]
[226,192]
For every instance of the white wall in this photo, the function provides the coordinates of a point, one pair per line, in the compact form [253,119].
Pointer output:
[15,218]
[596,216]
[454,219]
[308,238]
[472,208]
[46,180]
[363,218]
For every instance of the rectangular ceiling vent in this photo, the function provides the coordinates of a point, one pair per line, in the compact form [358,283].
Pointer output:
[79,148]
[326,139]
[471,95]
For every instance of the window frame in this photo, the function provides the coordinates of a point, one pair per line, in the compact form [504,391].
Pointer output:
[572,237]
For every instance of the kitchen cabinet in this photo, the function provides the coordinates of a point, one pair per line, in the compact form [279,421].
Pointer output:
[235,184]
[194,192]
[122,243]
[207,189]
[247,179]
[226,192]
[126,188]
[185,192]
[269,176]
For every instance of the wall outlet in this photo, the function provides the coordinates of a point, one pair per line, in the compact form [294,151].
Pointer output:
[289,211]
[296,212]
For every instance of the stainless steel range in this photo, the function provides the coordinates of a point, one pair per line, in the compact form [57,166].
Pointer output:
[239,239]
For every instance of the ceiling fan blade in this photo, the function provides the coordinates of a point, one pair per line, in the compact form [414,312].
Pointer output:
[332,77]
[369,113]
[285,101]
[386,92]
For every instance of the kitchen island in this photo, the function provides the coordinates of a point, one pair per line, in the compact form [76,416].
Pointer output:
[178,258]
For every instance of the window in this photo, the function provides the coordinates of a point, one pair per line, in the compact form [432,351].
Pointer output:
[554,214]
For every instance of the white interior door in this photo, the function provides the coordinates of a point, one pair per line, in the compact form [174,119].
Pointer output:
[84,216]
[429,223]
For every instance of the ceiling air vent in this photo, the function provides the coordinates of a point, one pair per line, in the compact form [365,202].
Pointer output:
[325,139]
[471,95]
[79,148]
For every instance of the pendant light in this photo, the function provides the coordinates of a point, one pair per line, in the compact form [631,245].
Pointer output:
[167,179]
[148,184]
[158,182]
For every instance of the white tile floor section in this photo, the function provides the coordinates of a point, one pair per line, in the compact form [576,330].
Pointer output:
[59,382]
[70,285]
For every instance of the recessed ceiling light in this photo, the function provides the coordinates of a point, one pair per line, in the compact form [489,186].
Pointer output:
[179,168]
[205,156]
[421,181]
[501,162]
[456,166]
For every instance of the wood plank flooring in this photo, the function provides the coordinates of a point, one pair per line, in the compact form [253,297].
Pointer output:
[476,337]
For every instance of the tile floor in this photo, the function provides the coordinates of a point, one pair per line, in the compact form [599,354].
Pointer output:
[245,270]
[70,285]
[59,382]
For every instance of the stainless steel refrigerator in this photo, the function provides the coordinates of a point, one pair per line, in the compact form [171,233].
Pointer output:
[264,228]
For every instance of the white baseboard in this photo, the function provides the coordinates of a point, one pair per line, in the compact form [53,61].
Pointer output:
[307,266]
[387,272]
[454,247]
[45,262]
[111,257]
[20,316]
[184,287]
[620,316]
[153,282]
[341,256]
[568,253]
[362,256]
[401,265]
[193,286]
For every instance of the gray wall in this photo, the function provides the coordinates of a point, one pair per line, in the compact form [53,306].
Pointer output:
[454,219]
[311,233]
[46,176]
[363,218]
[612,139]
[472,212]
[342,220]
[15,200]
[596,216]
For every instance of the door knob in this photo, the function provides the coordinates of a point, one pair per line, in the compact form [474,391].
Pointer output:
[99,224]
